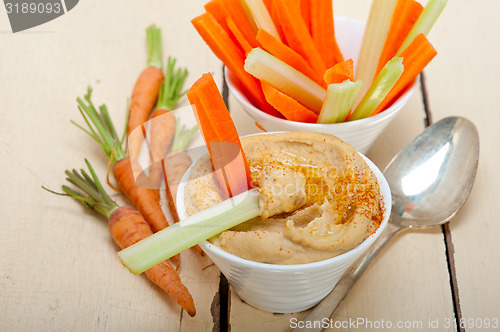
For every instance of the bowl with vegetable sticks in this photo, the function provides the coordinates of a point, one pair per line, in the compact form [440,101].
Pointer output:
[295,66]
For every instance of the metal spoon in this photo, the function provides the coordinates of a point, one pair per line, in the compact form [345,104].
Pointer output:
[430,180]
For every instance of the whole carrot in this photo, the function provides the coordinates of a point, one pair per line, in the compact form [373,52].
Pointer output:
[127,226]
[146,90]
[163,122]
[126,171]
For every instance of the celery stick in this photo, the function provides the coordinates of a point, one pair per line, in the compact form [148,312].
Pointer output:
[338,101]
[424,22]
[186,233]
[262,18]
[376,30]
[288,80]
[384,82]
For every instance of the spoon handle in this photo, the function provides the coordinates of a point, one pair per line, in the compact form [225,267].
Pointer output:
[315,320]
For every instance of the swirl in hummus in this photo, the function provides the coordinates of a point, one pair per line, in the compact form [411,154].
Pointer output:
[318,198]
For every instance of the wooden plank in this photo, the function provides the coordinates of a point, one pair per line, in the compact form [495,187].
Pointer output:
[463,80]
[58,266]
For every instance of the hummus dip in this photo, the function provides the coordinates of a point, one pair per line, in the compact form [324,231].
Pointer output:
[318,198]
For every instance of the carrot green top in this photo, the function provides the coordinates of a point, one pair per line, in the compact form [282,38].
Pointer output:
[100,127]
[153,39]
[170,91]
[96,197]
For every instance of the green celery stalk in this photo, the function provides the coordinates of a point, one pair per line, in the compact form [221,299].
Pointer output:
[424,22]
[377,27]
[180,236]
[283,77]
[338,101]
[383,83]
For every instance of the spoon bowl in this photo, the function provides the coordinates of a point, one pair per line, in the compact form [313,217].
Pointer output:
[430,181]
[432,177]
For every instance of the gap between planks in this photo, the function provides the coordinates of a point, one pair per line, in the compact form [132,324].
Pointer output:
[224,293]
[448,241]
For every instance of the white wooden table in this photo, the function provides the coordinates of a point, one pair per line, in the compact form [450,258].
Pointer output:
[58,268]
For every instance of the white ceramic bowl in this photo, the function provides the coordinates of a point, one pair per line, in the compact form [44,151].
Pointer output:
[359,133]
[286,288]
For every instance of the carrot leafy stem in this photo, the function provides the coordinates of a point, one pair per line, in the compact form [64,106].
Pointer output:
[100,126]
[182,137]
[95,197]
[171,88]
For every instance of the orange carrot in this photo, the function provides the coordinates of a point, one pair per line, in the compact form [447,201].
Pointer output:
[232,56]
[163,122]
[297,34]
[127,226]
[126,171]
[145,92]
[221,136]
[323,31]
[240,38]
[273,11]
[287,55]
[405,15]
[286,105]
[415,57]
[305,9]
[217,9]
[340,72]
[142,198]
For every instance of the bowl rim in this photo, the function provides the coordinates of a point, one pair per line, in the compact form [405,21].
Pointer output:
[346,256]
[305,126]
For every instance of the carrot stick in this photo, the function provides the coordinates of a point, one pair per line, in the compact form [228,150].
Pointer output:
[146,89]
[405,15]
[273,11]
[217,9]
[305,9]
[415,57]
[163,122]
[248,15]
[239,37]
[126,171]
[297,34]
[237,13]
[287,55]
[425,21]
[340,72]
[221,136]
[286,105]
[323,31]
[127,227]
[234,59]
